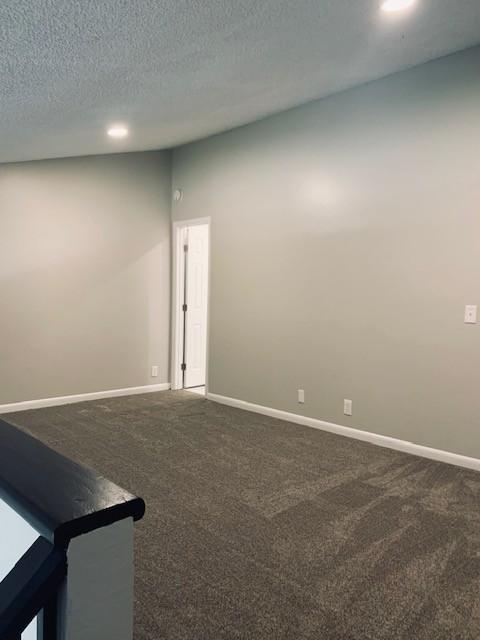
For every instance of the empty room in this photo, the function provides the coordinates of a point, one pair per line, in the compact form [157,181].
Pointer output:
[239,328]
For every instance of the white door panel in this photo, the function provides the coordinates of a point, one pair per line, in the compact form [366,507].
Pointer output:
[196,298]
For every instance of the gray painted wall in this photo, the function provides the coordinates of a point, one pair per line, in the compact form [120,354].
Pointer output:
[97,598]
[345,244]
[85,274]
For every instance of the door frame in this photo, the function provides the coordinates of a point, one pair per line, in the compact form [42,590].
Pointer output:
[178,278]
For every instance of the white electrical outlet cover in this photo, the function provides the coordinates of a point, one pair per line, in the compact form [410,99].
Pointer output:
[301,396]
[347,407]
[471,314]
[154,371]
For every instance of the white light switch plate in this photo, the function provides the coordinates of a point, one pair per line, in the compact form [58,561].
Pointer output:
[301,396]
[471,314]
[154,371]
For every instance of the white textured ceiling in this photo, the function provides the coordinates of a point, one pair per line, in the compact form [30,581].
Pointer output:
[178,70]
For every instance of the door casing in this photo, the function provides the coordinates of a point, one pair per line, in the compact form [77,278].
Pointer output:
[178,279]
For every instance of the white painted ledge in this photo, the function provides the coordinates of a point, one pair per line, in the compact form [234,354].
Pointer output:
[349,432]
[81,397]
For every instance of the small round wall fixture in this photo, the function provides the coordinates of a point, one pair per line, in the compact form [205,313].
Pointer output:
[177,195]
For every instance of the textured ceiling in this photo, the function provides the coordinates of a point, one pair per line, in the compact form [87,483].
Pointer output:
[178,70]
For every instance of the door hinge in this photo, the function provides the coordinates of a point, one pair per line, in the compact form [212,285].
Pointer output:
[184,307]
[185,247]
[184,366]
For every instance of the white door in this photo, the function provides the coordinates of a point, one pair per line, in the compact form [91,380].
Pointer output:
[196,299]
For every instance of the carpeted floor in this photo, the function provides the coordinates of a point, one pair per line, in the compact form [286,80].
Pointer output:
[257,528]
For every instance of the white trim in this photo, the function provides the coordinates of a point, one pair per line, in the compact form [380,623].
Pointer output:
[178,268]
[374,438]
[81,397]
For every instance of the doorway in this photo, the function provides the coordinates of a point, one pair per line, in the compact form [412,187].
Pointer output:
[191,262]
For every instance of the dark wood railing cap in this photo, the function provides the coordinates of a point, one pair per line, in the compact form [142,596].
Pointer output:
[58,497]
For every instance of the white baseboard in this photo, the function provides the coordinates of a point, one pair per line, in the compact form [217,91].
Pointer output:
[81,397]
[349,432]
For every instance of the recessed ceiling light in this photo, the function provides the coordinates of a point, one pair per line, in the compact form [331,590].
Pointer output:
[118,131]
[390,6]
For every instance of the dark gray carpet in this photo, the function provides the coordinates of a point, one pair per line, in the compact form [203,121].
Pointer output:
[257,528]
